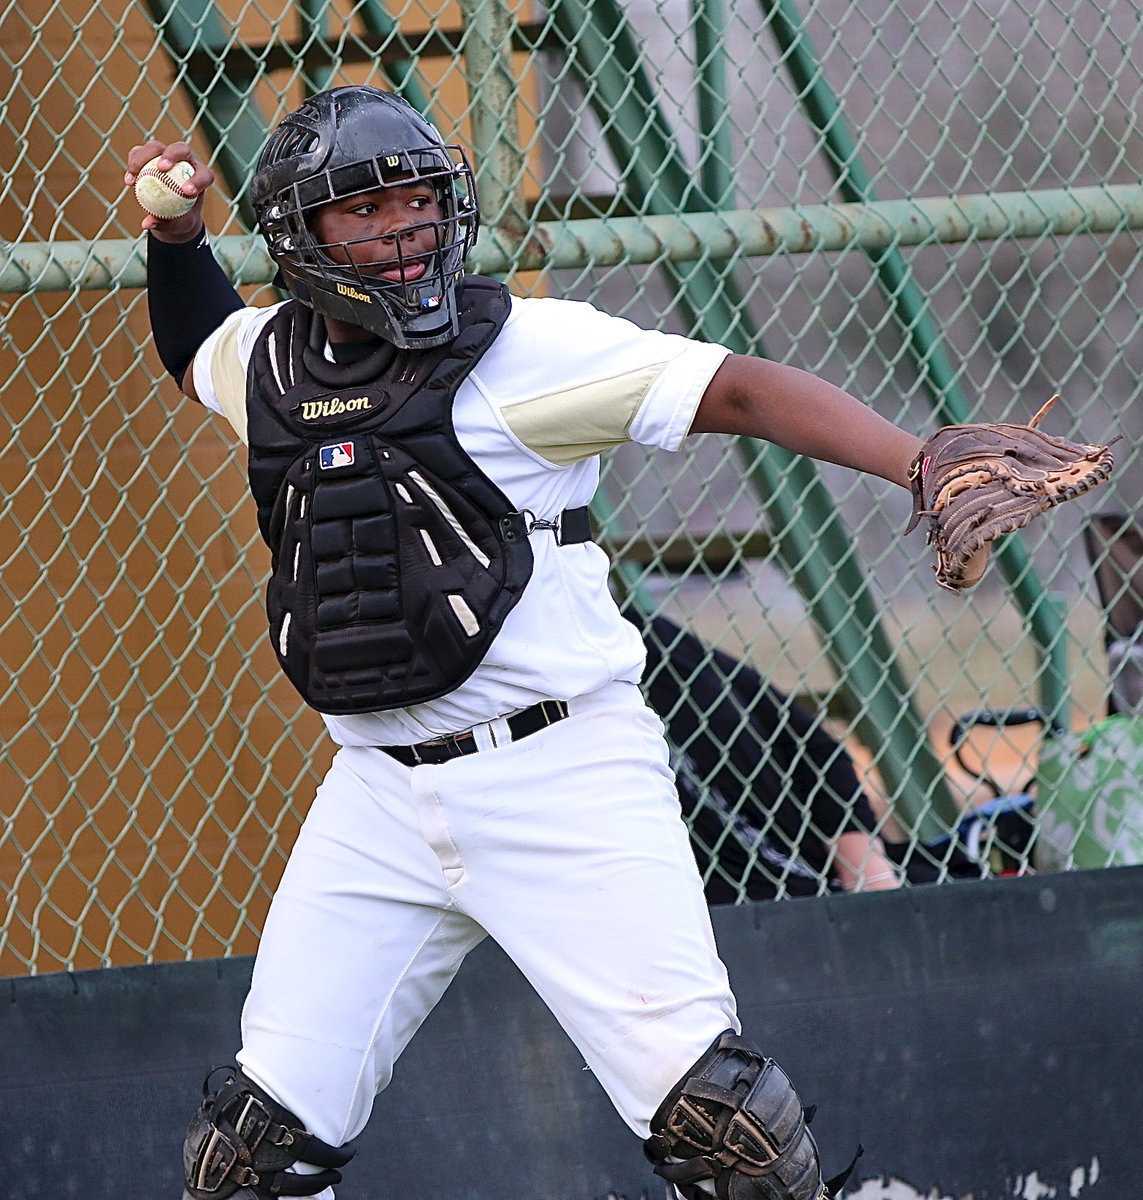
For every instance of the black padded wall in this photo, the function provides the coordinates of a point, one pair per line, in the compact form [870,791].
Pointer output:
[980,1040]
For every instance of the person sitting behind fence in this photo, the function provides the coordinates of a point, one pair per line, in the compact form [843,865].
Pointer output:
[773,802]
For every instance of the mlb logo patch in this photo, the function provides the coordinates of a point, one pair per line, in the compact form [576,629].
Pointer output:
[430,302]
[340,454]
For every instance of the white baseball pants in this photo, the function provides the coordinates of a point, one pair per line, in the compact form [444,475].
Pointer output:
[567,847]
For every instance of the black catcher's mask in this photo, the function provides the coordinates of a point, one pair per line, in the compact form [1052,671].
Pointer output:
[348,141]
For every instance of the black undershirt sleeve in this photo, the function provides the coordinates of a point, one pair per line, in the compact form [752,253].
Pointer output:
[188,298]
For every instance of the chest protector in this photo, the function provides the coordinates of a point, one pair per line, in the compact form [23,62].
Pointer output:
[395,560]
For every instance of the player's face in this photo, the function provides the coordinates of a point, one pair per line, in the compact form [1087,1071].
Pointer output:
[387,233]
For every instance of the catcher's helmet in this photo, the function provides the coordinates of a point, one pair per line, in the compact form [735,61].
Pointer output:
[347,141]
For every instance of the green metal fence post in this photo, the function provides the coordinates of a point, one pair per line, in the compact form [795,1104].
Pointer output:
[233,123]
[911,309]
[607,60]
[713,111]
[230,116]
[492,91]
[403,73]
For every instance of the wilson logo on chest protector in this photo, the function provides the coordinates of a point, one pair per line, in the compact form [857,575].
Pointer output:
[335,406]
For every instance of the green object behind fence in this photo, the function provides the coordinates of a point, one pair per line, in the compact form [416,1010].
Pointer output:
[1090,796]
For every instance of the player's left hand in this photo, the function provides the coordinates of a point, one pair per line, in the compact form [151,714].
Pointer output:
[975,482]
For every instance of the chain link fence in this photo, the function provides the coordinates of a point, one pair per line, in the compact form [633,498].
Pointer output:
[935,205]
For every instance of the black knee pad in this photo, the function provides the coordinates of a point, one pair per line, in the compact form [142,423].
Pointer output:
[736,1119]
[241,1141]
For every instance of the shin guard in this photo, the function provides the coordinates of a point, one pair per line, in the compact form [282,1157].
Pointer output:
[736,1119]
[241,1142]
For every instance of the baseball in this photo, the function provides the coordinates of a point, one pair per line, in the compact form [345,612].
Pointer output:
[161,192]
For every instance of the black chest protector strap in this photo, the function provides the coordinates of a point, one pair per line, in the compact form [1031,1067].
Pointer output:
[395,558]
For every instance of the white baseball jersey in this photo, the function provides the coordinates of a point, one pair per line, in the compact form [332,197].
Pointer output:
[566,845]
[561,383]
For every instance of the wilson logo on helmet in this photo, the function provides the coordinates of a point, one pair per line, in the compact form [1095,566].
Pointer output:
[353,293]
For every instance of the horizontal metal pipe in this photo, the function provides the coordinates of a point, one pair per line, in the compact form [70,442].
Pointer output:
[684,237]
[114,263]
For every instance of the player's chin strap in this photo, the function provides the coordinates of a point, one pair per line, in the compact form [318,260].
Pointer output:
[735,1122]
[241,1142]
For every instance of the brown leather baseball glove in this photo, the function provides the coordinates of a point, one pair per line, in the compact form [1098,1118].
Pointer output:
[975,483]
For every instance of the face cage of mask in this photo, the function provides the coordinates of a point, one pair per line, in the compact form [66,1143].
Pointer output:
[453,235]
[442,262]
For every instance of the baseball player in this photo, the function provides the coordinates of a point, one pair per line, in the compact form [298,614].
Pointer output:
[423,448]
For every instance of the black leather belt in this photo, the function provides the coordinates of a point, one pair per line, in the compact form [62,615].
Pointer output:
[456,745]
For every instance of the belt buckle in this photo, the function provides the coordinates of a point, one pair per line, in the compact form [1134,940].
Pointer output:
[450,743]
[416,748]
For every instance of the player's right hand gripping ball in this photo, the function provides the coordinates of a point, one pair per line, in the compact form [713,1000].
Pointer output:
[161,192]
[977,482]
